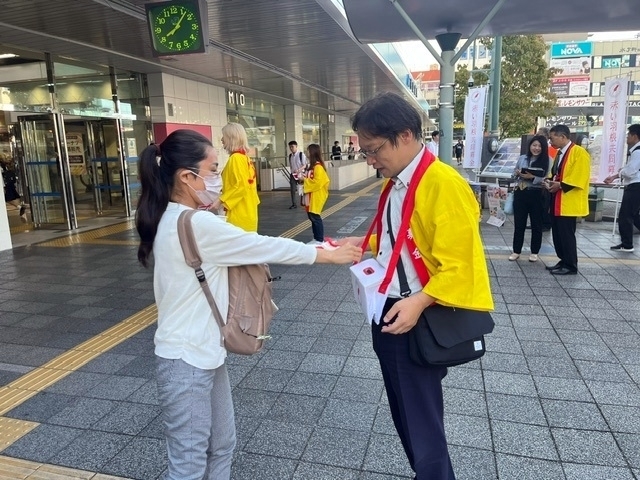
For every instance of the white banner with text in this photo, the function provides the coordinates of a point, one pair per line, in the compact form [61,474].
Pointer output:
[614,127]
[474,107]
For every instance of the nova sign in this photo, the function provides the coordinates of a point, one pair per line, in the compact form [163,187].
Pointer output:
[577,49]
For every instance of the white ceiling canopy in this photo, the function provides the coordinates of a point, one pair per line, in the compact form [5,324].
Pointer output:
[378,20]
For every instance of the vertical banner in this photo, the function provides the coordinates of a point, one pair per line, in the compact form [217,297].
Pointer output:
[474,106]
[615,125]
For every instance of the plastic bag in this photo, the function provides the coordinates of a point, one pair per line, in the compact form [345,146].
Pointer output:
[508,204]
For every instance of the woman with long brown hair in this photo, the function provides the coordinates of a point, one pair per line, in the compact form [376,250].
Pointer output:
[316,185]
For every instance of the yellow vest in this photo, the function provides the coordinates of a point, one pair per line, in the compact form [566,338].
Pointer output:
[446,230]
[317,185]
[575,170]
[240,192]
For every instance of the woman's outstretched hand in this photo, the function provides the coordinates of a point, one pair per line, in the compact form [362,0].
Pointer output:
[347,253]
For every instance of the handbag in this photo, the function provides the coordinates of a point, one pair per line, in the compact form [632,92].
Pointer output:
[449,336]
[446,336]
[508,204]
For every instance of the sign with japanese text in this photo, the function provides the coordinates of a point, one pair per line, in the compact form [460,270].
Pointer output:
[474,106]
[496,198]
[614,128]
[570,86]
[75,149]
[574,102]
[571,67]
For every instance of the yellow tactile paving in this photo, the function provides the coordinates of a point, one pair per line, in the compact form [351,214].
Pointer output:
[90,235]
[21,228]
[14,469]
[104,241]
[12,430]
[40,378]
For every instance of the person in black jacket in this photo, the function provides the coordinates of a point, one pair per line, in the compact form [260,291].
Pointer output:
[336,151]
[9,180]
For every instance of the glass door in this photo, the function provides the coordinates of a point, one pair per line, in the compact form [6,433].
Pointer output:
[47,170]
[108,167]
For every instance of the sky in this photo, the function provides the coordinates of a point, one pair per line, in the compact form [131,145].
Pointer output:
[417,57]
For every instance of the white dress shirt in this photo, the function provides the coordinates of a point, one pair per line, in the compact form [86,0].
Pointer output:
[297,161]
[433,147]
[396,198]
[630,173]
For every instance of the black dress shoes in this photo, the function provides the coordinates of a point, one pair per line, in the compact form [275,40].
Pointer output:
[293,206]
[563,271]
[554,267]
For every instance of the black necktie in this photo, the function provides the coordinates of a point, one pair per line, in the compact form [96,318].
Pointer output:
[556,163]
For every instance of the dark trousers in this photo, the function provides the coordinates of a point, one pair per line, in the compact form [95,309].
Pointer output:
[293,184]
[629,214]
[527,204]
[563,230]
[415,400]
[546,209]
[317,227]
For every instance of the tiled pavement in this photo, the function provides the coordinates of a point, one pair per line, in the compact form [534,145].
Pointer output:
[556,397]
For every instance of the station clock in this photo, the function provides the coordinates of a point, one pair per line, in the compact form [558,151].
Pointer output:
[177,27]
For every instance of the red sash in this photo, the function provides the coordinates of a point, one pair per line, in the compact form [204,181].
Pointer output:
[404,234]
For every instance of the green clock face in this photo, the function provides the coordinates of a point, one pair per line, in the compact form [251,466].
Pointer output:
[175,27]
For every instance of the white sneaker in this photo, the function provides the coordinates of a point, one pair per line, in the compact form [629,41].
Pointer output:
[314,243]
[533,257]
[514,256]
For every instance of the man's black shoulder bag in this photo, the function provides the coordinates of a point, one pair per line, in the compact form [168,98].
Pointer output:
[445,336]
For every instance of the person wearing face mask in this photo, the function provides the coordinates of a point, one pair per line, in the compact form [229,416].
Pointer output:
[239,183]
[194,392]
[212,190]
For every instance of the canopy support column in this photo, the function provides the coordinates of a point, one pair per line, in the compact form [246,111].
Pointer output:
[447,42]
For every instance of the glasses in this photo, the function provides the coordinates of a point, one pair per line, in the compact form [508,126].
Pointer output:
[373,152]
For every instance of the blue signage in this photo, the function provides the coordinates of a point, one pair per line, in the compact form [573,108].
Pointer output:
[578,49]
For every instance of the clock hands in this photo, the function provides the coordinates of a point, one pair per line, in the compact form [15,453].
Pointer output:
[177,25]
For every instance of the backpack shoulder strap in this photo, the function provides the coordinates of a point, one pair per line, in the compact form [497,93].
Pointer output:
[192,257]
[187,240]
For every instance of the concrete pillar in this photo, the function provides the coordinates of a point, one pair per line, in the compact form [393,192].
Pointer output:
[448,43]
[280,148]
[293,124]
[496,72]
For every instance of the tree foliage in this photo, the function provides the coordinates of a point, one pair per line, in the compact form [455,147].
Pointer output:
[525,83]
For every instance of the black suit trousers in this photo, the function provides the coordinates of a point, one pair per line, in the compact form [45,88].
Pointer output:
[563,231]
[629,214]
[415,400]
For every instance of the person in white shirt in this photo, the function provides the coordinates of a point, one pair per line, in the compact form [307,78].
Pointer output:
[193,385]
[297,165]
[434,145]
[629,214]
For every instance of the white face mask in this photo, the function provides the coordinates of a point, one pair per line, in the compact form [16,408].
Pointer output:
[211,193]
[213,183]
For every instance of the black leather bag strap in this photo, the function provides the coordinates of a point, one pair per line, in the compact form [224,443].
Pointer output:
[405,291]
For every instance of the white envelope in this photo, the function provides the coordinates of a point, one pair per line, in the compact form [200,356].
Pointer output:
[366,278]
